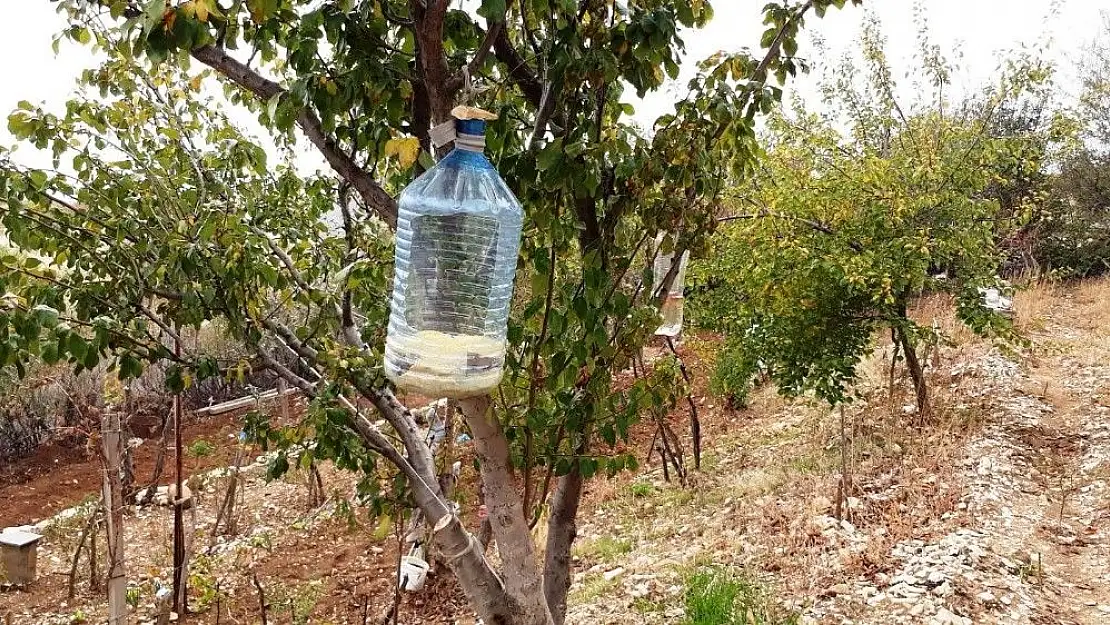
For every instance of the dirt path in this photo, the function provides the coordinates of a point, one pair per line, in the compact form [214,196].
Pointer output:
[1041,487]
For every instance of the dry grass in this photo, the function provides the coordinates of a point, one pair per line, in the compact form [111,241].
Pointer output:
[938,311]
[1081,304]
[1033,303]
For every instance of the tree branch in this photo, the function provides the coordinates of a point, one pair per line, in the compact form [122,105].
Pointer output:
[456,82]
[816,225]
[373,196]
[519,71]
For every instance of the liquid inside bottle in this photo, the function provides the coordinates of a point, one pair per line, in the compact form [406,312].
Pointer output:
[458,233]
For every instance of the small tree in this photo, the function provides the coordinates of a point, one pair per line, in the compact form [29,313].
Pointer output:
[836,234]
[175,218]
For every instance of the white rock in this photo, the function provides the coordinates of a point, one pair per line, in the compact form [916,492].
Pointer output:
[943,590]
[985,465]
[613,574]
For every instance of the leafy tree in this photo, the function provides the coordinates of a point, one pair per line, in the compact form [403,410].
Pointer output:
[172,218]
[837,232]
[1070,233]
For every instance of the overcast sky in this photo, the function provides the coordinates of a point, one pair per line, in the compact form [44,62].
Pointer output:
[979,29]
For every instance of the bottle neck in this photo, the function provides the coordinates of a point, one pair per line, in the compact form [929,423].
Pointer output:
[470,135]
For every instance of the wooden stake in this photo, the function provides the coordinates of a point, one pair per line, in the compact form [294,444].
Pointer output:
[179,578]
[113,498]
[283,400]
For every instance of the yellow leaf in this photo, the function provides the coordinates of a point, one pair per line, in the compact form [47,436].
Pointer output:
[385,525]
[406,149]
[202,10]
[194,84]
[168,19]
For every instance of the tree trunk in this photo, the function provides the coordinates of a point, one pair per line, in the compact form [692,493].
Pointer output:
[561,532]
[917,374]
[86,534]
[159,463]
[523,579]
[179,576]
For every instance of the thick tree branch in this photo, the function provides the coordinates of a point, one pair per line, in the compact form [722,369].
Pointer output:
[519,71]
[371,192]
[561,532]
[428,18]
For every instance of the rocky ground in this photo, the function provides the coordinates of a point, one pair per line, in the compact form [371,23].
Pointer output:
[995,511]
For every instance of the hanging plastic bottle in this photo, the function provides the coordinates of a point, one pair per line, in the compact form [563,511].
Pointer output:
[458,234]
[672,300]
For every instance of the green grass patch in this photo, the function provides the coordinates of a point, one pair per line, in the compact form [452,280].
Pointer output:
[723,596]
[604,549]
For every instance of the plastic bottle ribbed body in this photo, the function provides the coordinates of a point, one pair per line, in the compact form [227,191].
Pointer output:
[458,234]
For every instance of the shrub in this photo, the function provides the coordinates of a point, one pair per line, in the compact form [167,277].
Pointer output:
[201,448]
[735,374]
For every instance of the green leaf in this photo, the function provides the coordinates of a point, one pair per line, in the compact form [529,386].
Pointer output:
[152,15]
[46,316]
[38,179]
[49,353]
[492,9]
[550,156]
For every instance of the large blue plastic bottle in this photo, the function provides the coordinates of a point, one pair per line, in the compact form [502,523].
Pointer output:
[458,234]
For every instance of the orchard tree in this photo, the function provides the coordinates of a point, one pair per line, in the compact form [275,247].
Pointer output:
[837,232]
[159,215]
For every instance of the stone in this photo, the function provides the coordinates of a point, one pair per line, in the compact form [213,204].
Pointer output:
[943,590]
[946,617]
[613,574]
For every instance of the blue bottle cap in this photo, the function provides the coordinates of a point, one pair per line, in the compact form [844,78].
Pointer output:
[470,126]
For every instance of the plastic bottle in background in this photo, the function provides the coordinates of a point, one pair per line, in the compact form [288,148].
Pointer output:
[458,234]
[671,309]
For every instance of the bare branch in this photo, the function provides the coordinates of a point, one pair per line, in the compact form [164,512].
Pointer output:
[373,196]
